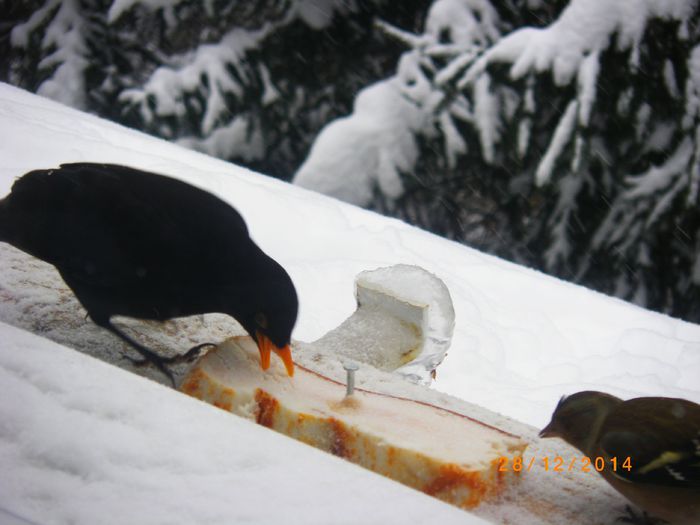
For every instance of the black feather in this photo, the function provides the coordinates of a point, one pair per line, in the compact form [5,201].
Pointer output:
[138,244]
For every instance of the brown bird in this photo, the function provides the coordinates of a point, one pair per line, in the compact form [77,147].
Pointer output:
[139,244]
[659,435]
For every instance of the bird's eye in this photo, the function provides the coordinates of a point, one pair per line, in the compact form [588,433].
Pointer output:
[261,320]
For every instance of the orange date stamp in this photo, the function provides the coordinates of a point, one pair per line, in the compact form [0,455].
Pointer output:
[560,464]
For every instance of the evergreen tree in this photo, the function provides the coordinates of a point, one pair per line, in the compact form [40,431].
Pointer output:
[247,81]
[561,135]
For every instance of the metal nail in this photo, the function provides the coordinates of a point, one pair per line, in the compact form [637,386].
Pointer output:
[350,368]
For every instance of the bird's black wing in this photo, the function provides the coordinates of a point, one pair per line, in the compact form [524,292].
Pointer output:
[130,242]
[137,225]
[661,438]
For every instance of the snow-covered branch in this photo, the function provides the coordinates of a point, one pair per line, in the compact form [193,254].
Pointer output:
[545,122]
[208,73]
[65,44]
[570,49]
[370,149]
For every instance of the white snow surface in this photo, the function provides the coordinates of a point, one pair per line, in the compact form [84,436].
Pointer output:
[84,442]
[521,340]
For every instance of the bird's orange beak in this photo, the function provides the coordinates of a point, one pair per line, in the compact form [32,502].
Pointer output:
[549,431]
[266,347]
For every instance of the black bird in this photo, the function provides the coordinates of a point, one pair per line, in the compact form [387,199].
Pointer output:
[142,245]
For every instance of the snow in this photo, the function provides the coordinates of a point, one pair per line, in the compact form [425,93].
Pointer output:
[216,76]
[119,7]
[85,442]
[239,138]
[318,14]
[403,324]
[64,36]
[525,125]
[560,247]
[623,223]
[693,89]
[468,22]
[414,285]
[587,78]
[584,27]
[358,156]
[168,86]
[455,145]
[354,156]
[486,117]
[658,177]
[521,340]
[560,139]
[507,317]
[569,49]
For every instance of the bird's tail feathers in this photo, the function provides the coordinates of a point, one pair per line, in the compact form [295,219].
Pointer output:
[4,221]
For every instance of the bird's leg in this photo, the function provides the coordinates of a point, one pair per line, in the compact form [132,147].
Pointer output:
[149,356]
[188,357]
[192,354]
[639,519]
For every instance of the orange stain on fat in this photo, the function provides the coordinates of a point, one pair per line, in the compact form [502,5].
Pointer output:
[500,474]
[268,407]
[390,457]
[193,385]
[451,478]
[225,399]
[341,439]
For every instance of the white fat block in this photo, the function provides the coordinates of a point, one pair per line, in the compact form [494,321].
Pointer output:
[448,455]
[403,323]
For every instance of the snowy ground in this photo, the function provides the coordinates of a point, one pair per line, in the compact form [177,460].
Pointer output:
[521,340]
[85,442]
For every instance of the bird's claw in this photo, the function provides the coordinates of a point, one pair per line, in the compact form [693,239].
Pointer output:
[639,519]
[193,353]
[156,361]
[188,357]
[159,362]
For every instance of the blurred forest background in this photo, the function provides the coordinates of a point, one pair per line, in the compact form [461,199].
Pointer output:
[563,135]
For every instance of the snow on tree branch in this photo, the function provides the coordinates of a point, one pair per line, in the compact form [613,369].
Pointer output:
[120,7]
[543,126]
[511,126]
[570,48]
[691,122]
[207,72]
[355,156]
[561,137]
[465,23]
[585,27]
[629,216]
[368,150]
[238,138]
[64,40]
[223,85]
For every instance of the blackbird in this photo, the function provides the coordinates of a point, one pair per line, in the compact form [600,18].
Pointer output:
[142,245]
